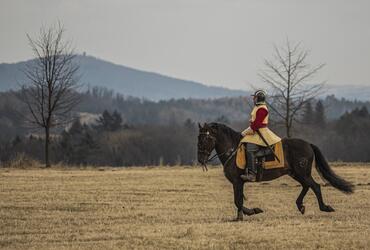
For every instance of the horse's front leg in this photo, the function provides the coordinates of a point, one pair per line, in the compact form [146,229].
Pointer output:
[238,200]
[249,211]
[238,187]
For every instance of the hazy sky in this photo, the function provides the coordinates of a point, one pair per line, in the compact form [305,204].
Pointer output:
[216,42]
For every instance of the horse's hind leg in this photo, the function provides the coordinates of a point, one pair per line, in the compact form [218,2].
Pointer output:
[303,193]
[317,190]
[299,200]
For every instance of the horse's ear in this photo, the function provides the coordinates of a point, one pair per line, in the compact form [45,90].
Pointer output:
[200,126]
[205,125]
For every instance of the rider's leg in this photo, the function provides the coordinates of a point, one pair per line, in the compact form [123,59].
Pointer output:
[252,149]
[250,170]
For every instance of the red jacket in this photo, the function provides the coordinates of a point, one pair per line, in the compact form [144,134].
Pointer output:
[260,116]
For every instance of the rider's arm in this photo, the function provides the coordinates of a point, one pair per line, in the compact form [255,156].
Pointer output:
[247,131]
[260,116]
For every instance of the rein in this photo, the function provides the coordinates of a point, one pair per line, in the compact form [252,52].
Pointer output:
[204,166]
[215,155]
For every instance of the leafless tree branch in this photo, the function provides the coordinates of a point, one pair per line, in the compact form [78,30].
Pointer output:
[289,78]
[51,91]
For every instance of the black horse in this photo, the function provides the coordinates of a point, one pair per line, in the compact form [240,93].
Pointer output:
[299,156]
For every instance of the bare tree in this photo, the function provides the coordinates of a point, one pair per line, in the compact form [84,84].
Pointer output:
[51,90]
[290,78]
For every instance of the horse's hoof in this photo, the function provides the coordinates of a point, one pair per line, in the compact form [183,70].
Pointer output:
[239,216]
[302,209]
[257,210]
[248,211]
[327,209]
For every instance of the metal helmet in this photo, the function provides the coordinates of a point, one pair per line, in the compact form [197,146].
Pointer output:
[260,96]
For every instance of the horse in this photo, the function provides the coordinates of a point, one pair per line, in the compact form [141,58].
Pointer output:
[299,156]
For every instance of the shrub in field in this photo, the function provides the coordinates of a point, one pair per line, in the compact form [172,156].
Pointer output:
[21,160]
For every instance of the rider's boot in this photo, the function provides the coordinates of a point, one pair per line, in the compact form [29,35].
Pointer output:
[250,170]
[250,174]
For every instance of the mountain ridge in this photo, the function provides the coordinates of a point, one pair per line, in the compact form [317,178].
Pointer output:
[126,80]
[151,85]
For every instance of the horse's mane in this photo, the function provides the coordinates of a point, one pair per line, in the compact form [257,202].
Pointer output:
[225,130]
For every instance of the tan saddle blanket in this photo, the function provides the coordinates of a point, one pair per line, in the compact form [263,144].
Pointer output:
[241,157]
[270,137]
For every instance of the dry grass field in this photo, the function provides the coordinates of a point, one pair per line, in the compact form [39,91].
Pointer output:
[173,208]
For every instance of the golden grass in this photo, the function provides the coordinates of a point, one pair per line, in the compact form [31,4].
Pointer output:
[183,208]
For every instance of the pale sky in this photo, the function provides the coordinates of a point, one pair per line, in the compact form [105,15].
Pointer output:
[216,42]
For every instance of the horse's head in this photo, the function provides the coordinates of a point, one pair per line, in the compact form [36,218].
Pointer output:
[206,142]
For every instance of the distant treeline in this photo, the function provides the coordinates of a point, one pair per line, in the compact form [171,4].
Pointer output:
[111,143]
[133,131]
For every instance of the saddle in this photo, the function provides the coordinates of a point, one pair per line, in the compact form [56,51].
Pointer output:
[265,158]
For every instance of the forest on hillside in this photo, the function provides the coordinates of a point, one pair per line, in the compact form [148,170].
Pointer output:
[115,130]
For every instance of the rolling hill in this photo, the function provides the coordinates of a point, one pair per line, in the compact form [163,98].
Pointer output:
[125,80]
[154,86]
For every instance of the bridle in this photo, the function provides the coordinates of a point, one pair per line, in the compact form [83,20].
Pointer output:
[206,152]
[204,166]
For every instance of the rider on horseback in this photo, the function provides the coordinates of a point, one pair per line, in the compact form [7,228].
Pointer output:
[258,122]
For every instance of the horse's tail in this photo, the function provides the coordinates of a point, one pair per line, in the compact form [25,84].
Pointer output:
[328,174]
